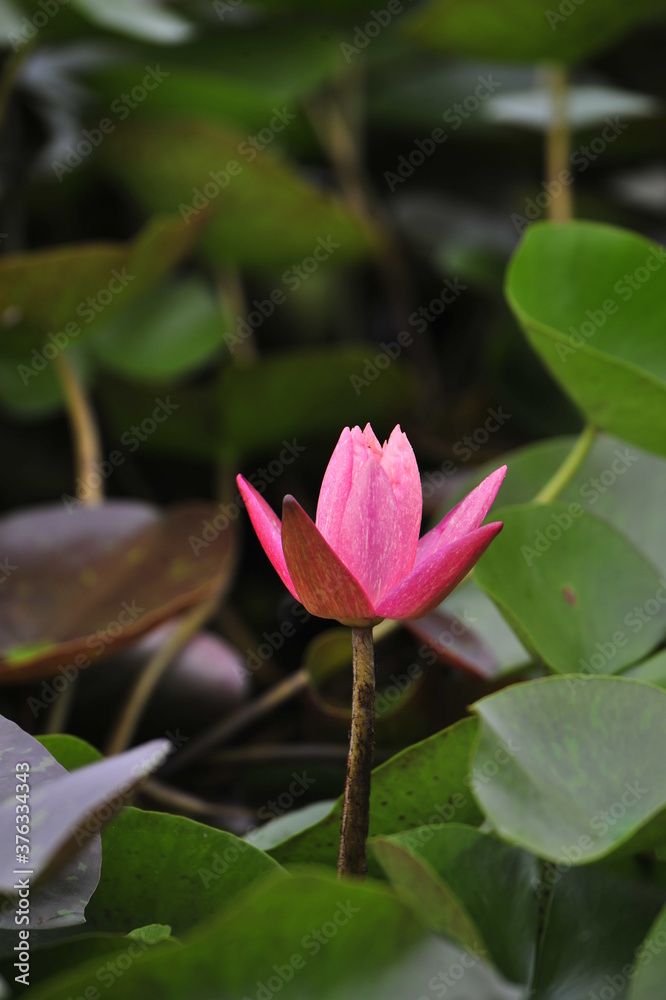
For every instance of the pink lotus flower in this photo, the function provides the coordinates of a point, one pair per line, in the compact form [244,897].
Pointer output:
[362,560]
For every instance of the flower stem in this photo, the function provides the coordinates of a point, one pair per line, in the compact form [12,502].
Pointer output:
[558,140]
[570,466]
[352,859]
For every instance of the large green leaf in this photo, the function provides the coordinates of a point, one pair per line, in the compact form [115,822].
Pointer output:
[51,299]
[585,774]
[471,887]
[265,214]
[590,299]
[305,936]
[164,334]
[576,591]
[427,783]
[522,31]
[169,869]
[595,922]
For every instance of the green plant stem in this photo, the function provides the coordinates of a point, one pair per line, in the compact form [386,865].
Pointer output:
[84,430]
[352,859]
[570,466]
[558,142]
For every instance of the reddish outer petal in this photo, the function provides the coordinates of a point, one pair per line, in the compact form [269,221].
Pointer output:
[437,575]
[465,516]
[325,585]
[266,523]
[399,464]
[335,488]
[368,543]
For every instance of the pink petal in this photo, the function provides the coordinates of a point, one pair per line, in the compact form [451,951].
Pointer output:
[399,464]
[368,543]
[436,575]
[325,585]
[266,523]
[465,516]
[335,488]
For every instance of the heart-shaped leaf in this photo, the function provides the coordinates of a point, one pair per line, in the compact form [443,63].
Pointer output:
[426,784]
[590,298]
[61,901]
[265,214]
[575,590]
[580,781]
[206,868]
[84,581]
[52,299]
[471,887]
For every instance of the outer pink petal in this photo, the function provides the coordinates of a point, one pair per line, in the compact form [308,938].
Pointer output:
[436,575]
[399,464]
[266,523]
[325,585]
[335,488]
[465,516]
[368,543]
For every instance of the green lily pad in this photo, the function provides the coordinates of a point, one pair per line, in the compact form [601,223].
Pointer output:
[576,591]
[589,298]
[580,782]
[169,869]
[470,887]
[52,299]
[650,965]
[164,334]
[265,214]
